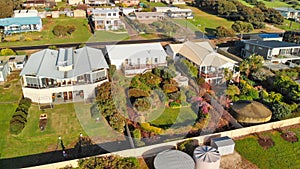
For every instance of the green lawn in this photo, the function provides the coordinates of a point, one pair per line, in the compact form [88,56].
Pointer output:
[177,116]
[102,36]
[13,93]
[282,155]
[286,25]
[153,4]
[65,120]
[204,21]
[270,4]
[46,37]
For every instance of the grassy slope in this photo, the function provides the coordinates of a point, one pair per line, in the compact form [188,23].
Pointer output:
[286,25]
[282,155]
[81,33]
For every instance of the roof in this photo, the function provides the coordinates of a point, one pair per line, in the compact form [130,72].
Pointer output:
[286,9]
[46,63]
[223,141]
[20,21]
[173,159]
[104,10]
[206,154]
[201,53]
[268,35]
[179,10]
[121,52]
[149,14]
[272,43]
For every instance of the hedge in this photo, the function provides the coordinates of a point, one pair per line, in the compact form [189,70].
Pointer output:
[147,127]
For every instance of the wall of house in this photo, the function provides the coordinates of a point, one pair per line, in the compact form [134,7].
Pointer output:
[45,95]
[4,73]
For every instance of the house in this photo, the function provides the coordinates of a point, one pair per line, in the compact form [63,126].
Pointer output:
[79,13]
[136,58]
[289,13]
[107,19]
[16,62]
[96,2]
[55,14]
[174,2]
[39,3]
[75,2]
[127,11]
[224,145]
[149,17]
[66,75]
[266,36]
[180,13]
[21,24]
[127,2]
[25,13]
[164,9]
[210,63]
[154,0]
[275,51]
[4,70]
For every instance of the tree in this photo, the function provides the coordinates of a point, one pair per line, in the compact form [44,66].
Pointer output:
[232,91]
[221,31]
[142,104]
[59,30]
[251,64]
[226,7]
[6,8]
[7,52]
[280,110]
[242,27]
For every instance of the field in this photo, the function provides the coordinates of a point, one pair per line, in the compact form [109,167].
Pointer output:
[270,4]
[46,37]
[153,4]
[204,21]
[102,36]
[286,25]
[282,155]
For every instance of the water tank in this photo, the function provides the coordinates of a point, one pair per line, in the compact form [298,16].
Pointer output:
[207,157]
[173,159]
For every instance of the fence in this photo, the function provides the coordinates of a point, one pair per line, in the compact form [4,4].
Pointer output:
[154,149]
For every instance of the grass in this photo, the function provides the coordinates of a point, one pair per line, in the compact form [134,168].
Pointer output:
[153,4]
[286,25]
[282,155]
[65,120]
[102,36]
[270,4]
[13,93]
[176,116]
[46,37]
[204,21]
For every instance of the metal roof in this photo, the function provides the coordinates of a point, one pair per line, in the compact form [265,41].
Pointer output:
[45,63]
[223,141]
[173,159]
[271,43]
[206,154]
[286,9]
[20,21]
[269,35]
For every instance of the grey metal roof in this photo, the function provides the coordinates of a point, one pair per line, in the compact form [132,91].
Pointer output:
[223,141]
[271,43]
[206,154]
[45,63]
[173,159]
[286,9]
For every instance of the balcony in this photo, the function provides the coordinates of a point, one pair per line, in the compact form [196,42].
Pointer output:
[212,75]
[139,68]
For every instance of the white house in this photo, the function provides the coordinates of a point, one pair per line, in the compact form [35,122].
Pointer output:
[224,145]
[16,62]
[107,19]
[96,2]
[174,2]
[289,13]
[25,13]
[164,9]
[67,75]
[21,24]
[136,58]
[4,70]
[180,13]
[211,64]
[75,2]
[149,17]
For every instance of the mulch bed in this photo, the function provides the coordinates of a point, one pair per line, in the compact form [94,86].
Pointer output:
[265,142]
[42,124]
[289,136]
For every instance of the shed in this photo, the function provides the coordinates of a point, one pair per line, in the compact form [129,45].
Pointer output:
[207,157]
[173,159]
[225,145]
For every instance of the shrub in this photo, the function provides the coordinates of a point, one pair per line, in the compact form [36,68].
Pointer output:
[60,30]
[147,127]
[20,113]
[170,88]
[174,104]
[186,146]
[137,93]
[224,32]
[70,29]
[7,52]
[174,95]
[142,104]
[16,127]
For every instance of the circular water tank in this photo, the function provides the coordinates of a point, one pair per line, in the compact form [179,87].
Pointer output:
[207,157]
[173,159]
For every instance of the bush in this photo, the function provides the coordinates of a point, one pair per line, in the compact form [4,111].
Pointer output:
[137,93]
[60,30]
[174,104]
[7,52]
[142,104]
[170,88]
[224,32]
[147,127]
[174,95]
[16,127]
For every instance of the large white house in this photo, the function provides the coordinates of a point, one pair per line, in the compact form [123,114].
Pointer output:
[52,76]
[106,19]
[211,64]
[136,58]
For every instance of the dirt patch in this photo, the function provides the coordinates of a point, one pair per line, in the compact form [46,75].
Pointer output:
[265,142]
[236,161]
[289,136]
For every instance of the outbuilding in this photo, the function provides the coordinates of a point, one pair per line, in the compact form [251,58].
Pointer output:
[225,145]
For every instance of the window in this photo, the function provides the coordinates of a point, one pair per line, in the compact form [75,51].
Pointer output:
[107,22]
[138,61]
[114,14]
[155,60]
[109,14]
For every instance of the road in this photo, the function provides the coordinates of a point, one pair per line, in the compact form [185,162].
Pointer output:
[91,44]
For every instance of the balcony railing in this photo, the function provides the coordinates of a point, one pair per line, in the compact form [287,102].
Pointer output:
[142,66]
[212,75]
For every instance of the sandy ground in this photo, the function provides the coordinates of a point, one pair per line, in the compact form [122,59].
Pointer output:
[236,161]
